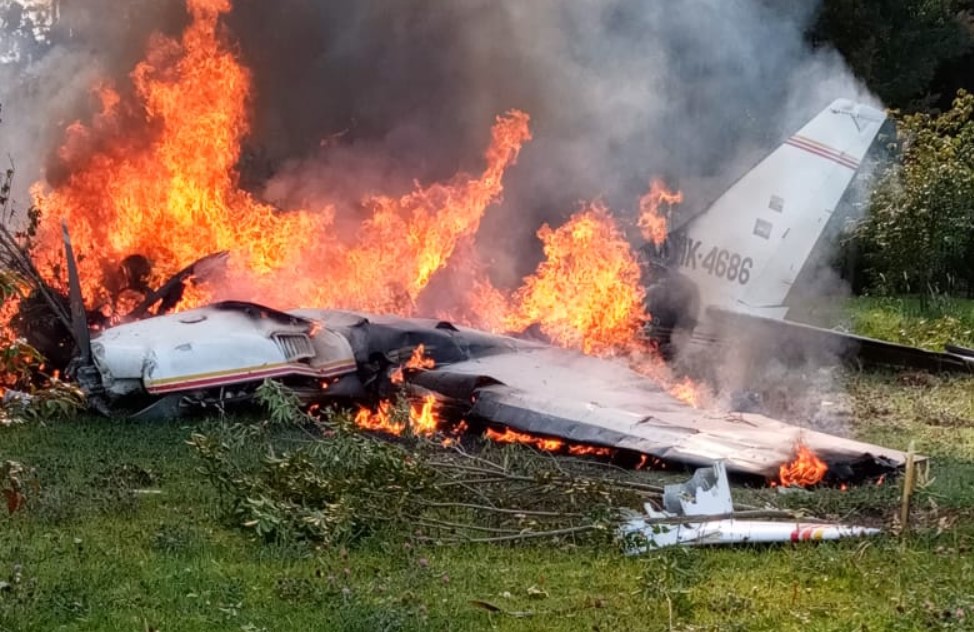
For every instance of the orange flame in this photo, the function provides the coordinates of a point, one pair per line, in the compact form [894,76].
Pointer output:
[545,444]
[512,436]
[418,361]
[423,420]
[587,294]
[652,223]
[379,420]
[456,432]
[406,240]
[168,194]
[589,450]
[157,177]
[806,470]
[689,392]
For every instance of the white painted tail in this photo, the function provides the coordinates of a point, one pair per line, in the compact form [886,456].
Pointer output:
[745,252]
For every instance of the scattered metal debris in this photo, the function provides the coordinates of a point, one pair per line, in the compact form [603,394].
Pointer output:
[701,512]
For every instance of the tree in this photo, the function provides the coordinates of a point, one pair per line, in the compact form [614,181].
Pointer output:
[897,47]
[18,39]
[919,233]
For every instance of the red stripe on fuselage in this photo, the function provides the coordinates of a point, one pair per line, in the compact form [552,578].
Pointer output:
[822,146]
[835,157]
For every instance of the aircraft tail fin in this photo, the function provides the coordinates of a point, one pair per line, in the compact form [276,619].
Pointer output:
[746,250]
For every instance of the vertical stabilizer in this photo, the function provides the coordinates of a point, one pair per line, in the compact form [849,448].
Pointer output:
[744,252]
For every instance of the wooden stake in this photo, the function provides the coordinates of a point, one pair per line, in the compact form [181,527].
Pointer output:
[909,482]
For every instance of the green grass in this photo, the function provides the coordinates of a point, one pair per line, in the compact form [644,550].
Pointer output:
[89,553]
[928,322]
[908,320]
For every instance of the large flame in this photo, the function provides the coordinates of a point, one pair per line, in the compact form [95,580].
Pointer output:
[166,189]
[587,294]
[157,177]
[154,173]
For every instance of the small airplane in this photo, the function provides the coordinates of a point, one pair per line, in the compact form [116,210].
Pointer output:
[218,355]
[746,260]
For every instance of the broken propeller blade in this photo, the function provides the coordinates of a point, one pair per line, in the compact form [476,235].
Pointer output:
[79,317]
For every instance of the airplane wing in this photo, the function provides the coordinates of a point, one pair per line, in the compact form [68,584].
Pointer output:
[553,392]
[746,250]
[557,393]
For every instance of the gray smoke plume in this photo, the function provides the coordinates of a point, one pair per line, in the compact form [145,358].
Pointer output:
[355,95]
[366,96]
[618,92]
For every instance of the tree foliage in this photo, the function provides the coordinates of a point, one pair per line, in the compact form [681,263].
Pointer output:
[24,29]
[897,47]
[919,234]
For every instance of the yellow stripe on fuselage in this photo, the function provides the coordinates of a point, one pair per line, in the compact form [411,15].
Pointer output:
[243,371]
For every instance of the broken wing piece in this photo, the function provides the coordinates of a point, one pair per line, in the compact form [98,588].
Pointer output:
[708,494]
[729,531]
[79,319]
[171,292]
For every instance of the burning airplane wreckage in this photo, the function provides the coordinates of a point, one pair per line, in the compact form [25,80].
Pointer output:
[516,389]
[458,378]
[590,383]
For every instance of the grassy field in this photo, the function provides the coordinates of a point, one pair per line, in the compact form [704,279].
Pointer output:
[908,320]
[124,533]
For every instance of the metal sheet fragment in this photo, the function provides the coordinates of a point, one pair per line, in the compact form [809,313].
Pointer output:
[708,494]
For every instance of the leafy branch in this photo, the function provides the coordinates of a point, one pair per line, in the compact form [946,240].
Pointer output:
[350,485]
